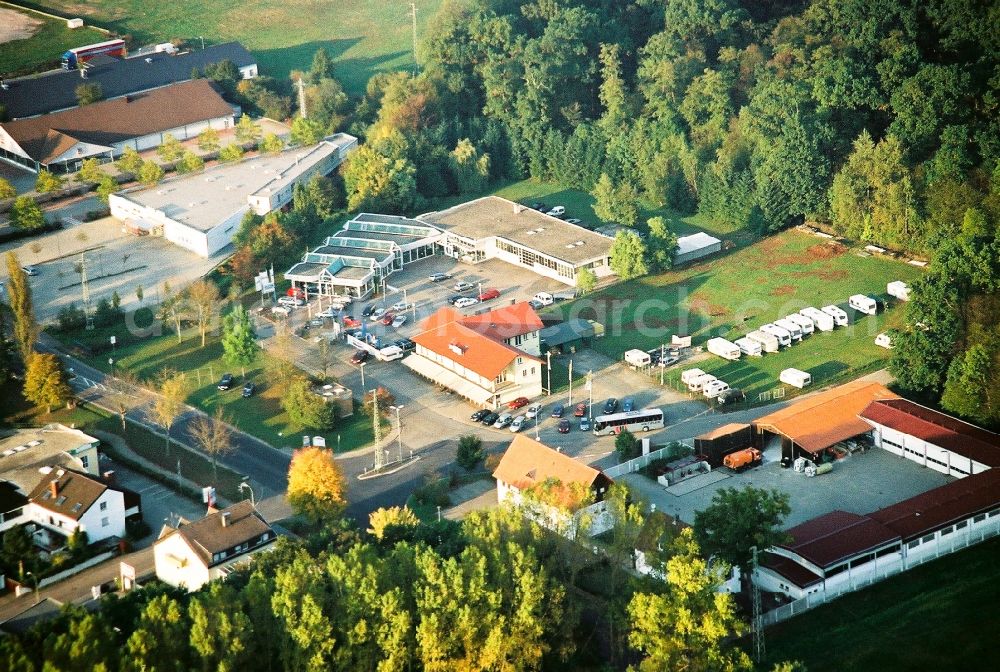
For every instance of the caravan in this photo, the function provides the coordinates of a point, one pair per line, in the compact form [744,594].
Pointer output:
[699,383]
[795,378]
[769,342]
[715,388]
[784,338]
[750,347]
[805,323]
[690,375]
[794,330]
[899,290]
[838,315]
[823,321]
[637,358]
[863,304]
[723,348]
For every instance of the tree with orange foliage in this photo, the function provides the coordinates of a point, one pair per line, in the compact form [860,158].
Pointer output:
[316,487]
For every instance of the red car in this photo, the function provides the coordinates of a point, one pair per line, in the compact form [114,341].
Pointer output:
[351,322]
[489,294]
[518,403]
[580,410]
[296,292]
[388,318]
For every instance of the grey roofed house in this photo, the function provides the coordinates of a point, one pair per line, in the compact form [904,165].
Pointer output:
[53,91]
[569,331]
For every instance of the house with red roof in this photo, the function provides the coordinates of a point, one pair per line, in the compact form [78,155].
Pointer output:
[490,359]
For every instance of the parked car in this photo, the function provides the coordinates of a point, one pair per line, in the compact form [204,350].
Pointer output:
[557,211]
[330,313]
[399,306]
[406,344]
[503,421]
[558,410]
[360,357]
[248,389]
[350,322]
[544,298]
[537,305]
[462,286]
[376,314]
[574,220]
[30,270]
[439,277]
[628,404]
[457,297]
[465,302]
[387,318]
[584,424]
[519,422]
[541,207]
[564,426]
[731,396]
[580,410]
[490,418]
[610,406]
[518,403]
[281,310]
[399,321]
[479,415]
[226,382]
[489,294]
[533,410]
[291,301]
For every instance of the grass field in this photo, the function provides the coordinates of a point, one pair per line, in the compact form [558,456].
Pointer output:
[261,415]
[363,36]
[939,616]
[738,291]
[44,49]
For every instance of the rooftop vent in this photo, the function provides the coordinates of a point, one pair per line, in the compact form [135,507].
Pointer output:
[457,348]
[225,518]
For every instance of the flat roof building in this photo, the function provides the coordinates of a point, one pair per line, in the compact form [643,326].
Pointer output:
[495,228]
[201,212]
[695,246]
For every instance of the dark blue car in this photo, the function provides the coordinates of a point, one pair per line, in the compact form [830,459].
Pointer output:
[558,410]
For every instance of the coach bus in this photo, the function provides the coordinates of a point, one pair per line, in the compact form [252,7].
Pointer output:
[644,420]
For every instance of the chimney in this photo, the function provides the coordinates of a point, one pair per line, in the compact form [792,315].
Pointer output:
[225,518]
[54,487]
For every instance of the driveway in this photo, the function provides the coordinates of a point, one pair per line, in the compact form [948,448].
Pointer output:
[160,504]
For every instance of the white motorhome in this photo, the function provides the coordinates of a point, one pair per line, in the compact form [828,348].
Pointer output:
[723,348]
[750,347]
[837,313]
[637,358]
[863,304]
[805,323]
[823,321]
[899,290]
[795,378]
[769,342]
[715,388]
[699,383]
[794,330]
[784,338]
[690,375]
[884,341]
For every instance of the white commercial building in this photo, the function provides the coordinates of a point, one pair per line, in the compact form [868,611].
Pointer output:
[201,212]
[695,246]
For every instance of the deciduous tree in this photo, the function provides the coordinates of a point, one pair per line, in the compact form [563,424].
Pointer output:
[469,452]
[25,327]
[230,153]
[208,140]
[88,93]
[150,173]
[316,486]
[382,520]
[213,435]
[615,203]
[7,190]
[130,162]
[306,408]
[737,520]
[247,130]
[26,214]
[628,256]
[48,182]
[203,298]
[170,149]
[586,280]
[169,402]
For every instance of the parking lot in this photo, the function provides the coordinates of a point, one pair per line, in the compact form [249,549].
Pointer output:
[860,483]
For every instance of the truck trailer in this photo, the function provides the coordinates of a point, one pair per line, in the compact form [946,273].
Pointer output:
[72,58]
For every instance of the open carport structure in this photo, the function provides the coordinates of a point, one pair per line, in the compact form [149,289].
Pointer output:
[810,426]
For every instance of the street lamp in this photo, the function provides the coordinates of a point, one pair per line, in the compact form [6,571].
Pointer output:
[246,486]
[548,367]
[399,429]
[38,598]
[362,367]
[111,362]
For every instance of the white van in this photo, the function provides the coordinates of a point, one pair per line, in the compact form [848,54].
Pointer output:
[794,330]
[544,298]
[715,389]
[723,348]
[884,341]
[637,358]
[863,304]
[805,323]
[690,375]
[837,313]
[784,338]
[749,347]
[795,378]
[822,321]
[699,383]
[557,211]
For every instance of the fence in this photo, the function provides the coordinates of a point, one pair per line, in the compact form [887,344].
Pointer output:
[637,463]
[806,603]
[76,569]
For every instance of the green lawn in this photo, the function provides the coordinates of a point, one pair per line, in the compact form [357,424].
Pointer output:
[939,616]
[738,291]
[44,49]
[363,36]
[261,415]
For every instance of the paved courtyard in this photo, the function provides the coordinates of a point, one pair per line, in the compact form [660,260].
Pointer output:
[860,483]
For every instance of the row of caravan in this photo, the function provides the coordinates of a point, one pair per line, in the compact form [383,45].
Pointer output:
[699,381]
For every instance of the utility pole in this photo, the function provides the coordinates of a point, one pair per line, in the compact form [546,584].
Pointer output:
[548,368]
[86,291]
[413,15]
[571,382]
[662,367]
[758,618]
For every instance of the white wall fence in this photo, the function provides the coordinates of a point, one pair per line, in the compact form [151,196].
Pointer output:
[637,463]
[944,546]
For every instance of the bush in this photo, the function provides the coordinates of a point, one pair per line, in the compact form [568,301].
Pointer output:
[434,492]
[71,318]
[626,446]
[26,214]
[469,452]
[47,182]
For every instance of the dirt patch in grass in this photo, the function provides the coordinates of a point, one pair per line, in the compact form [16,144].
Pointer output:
[17,26]
[826,250]
[829,276]
[699,303]
[783,290]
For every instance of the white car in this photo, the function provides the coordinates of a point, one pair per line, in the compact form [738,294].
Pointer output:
[462,286]
[533,410]
[557,211]
[342,298]
[465,302]
[330,312]
[399,305]
[282,310]
[29,270]
[291,301]
[518,424]
[376,315]
[399,321]
[544,298]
